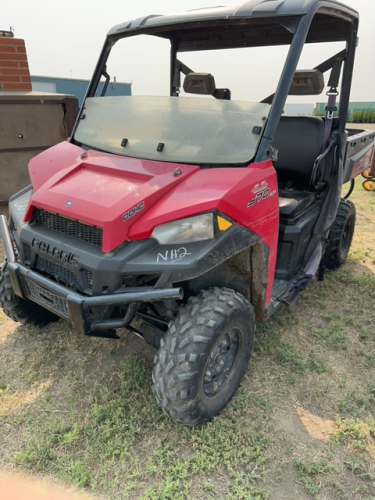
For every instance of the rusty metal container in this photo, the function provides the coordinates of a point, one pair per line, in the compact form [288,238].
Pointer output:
[30,123]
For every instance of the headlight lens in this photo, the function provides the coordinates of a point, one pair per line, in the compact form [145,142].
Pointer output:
[198,228]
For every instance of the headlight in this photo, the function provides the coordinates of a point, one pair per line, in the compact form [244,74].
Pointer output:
[198,228]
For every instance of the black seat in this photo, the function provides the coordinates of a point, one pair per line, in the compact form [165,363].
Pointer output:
[298,140]
[292,202]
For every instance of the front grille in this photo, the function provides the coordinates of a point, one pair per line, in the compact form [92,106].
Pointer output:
[60,273]
[27,252]
[71,227]
[88,278]
[57,271]
[48,299]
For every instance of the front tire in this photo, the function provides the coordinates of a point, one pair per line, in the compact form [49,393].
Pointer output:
[340,236]
[204,355]
[20,310]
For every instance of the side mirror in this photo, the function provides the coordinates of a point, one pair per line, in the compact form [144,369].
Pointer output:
[307,82]
[199,83]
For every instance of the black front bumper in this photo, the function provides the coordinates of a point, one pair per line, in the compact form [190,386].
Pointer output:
[71,305]
[67,304]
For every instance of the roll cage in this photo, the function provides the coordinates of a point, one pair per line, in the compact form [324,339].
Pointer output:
[255,23]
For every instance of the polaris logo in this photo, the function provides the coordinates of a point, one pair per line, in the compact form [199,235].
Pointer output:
[133,211]
[56,253]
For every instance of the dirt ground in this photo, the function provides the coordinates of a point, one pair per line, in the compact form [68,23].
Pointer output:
[302,425]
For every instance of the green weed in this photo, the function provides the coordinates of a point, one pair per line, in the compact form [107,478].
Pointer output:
[307,472]
[360,468]
[292,357]
[242,488]
[369,358]
[352,431]
[358,404]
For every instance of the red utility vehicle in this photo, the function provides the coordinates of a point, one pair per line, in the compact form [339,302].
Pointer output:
[185,218]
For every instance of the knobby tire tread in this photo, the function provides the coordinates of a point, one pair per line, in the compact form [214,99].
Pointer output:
[332,257]
[184,345]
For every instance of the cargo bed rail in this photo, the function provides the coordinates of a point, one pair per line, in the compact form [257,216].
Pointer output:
[360,147]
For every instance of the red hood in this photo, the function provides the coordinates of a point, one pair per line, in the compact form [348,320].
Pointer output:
[101,189]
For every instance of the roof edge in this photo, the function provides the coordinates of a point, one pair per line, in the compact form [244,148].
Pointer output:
[249,9]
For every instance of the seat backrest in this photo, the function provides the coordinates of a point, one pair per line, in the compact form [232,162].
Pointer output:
[299,141]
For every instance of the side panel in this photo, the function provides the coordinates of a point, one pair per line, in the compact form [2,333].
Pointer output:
[248,196]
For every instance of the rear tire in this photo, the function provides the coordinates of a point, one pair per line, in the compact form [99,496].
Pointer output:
[204,355]
[20,310]
[340,236]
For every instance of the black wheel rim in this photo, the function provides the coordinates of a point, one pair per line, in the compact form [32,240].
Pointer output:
[221,362]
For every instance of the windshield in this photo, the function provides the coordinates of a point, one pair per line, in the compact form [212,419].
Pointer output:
[181,130]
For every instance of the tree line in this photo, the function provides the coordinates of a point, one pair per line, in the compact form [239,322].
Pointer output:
[356,116]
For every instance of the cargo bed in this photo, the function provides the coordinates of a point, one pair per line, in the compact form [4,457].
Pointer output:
[359,151]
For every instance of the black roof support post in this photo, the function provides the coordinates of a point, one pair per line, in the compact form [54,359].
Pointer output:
[283,87]
[173,66]
[351,46]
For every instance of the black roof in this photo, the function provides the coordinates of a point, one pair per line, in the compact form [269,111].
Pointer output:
[252,9]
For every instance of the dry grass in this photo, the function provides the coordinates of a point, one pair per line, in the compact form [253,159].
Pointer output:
[12,402]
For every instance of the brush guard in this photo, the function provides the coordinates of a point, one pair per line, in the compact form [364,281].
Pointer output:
[68,304]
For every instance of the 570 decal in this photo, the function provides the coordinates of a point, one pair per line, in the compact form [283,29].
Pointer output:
[262,192]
